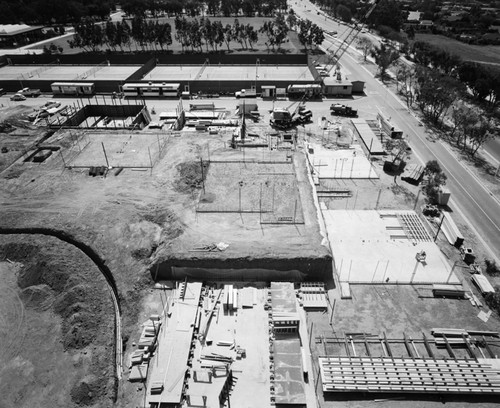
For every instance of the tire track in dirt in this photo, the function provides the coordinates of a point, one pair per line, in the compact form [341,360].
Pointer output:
[14,336]
[101,265]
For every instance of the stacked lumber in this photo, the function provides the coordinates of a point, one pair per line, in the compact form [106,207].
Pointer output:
[228,301]
[217,357]
[408,375]
[451,231]
[138,373]
[247,297]
[149,333]
[313,295]
[413,174]
[440,332]
[137,357]
[235,299]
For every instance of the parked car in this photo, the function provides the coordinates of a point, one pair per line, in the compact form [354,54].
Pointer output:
[50,104]
[18,97]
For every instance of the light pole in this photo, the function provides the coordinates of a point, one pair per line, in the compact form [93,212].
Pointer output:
[257,63]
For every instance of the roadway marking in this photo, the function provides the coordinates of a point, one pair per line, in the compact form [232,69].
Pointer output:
[470,172]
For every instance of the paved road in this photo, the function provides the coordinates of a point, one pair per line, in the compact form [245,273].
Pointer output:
[469,197]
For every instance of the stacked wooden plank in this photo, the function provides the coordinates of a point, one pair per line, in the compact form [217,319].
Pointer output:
[441,332]
[451,231]
[408,375]
[413,174]
[313,295]
[228,299]
[138,373]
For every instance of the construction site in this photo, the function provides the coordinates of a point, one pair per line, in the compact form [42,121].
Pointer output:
[282,271]
[264,249]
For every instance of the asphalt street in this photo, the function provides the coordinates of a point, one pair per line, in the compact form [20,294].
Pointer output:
[469,196]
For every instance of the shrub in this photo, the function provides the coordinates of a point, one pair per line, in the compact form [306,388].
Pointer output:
[492,268]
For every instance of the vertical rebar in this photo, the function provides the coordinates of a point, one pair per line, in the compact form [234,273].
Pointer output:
[105,155]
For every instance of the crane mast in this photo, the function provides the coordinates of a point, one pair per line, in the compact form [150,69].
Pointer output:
[352,33]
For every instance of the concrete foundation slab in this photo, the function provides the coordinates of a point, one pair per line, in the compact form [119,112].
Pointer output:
[341,164]
[374,247]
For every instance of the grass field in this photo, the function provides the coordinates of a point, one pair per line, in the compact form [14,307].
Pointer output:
[291,44]
[488,54]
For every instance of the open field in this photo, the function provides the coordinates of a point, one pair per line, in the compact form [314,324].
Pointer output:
[291,44]
[487,54]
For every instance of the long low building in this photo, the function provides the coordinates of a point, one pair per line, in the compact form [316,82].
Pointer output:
[230,78]
[106,78]
[203,78]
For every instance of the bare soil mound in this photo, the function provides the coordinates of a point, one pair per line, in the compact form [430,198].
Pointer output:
[68,321]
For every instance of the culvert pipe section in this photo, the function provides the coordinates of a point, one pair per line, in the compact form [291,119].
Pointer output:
[101,265]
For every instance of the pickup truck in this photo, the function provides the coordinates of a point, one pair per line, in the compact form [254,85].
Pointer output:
[28,92]
[246,93]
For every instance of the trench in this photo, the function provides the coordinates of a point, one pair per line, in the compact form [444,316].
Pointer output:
[106,272]
[265,269]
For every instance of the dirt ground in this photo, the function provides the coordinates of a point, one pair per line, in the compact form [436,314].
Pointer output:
[137,220]
[56,339]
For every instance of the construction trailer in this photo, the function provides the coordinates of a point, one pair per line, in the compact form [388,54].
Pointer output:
[308,91]
[387,127]
[73,88]
[334,87]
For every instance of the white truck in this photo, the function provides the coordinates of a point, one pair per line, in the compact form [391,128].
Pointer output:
[246,93]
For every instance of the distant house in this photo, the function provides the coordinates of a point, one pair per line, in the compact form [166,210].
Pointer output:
[414,20]
[414,16]
[425,25]
[17,35]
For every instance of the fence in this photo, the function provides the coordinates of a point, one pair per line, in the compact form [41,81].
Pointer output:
[261,187]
